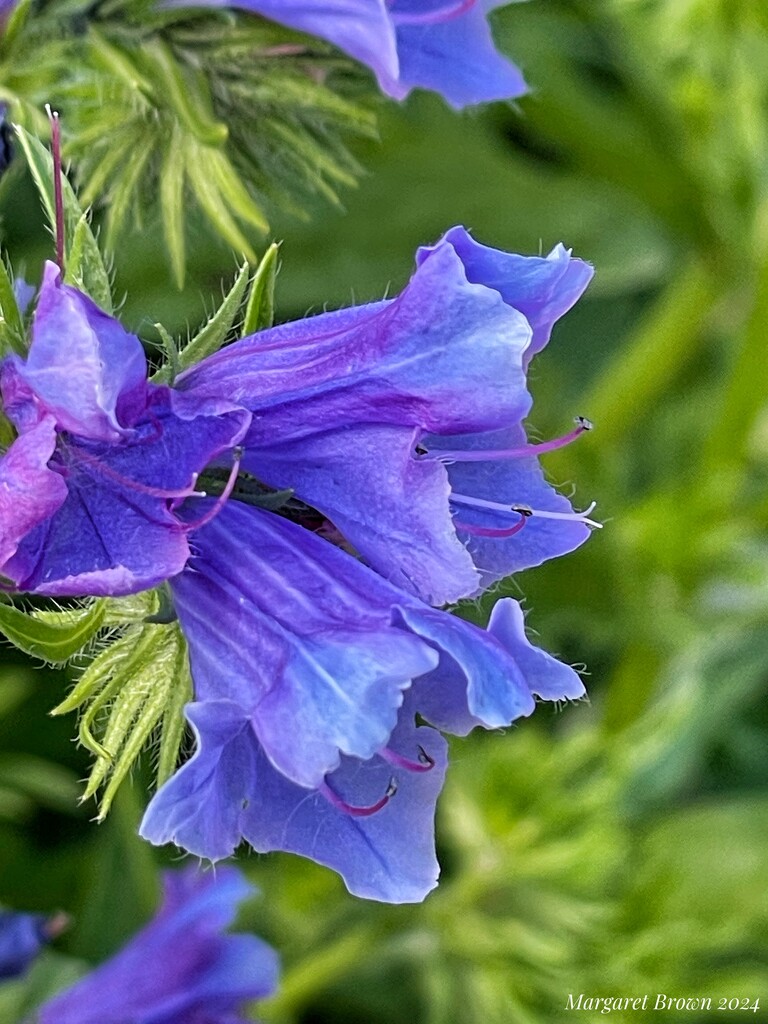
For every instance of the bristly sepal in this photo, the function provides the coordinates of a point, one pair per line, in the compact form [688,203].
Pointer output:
[132,690]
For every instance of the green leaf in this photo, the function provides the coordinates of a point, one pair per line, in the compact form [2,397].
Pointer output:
[16,21]
[41,168]
[212,202]
[173,724]
[172,206]
[644,367]
[215,332]
[122,65]
[52,636]
[85,267]
[167,373]
[124,197]
[11,324]
[135,687]
[260,311]
[94,678]
[150,681]
[234,192]
[187,94]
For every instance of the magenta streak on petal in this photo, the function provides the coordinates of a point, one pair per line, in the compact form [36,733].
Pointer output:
[357,812]
[491,531]
[436,17]
[425,763]
[492,454]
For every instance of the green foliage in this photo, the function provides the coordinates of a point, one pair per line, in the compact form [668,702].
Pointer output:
[136,685]
[612,848]
[247,307]
[163,106]
[11,325]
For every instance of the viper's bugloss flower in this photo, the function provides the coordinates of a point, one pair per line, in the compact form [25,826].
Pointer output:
[22,936]
[181,968]
[401,421]
[87,489]
[309,667]
[442,45]
[307,682]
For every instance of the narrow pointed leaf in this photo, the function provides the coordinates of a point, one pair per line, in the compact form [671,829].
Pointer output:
[149,712]
[172,207]
[92,680]
[124,196]
[53,636]
[260,311]
[118,63]
[187,95]
[173,725]
[235,193]
[213,203]
[11,323]
[85,730]
[85,266]
[214,334]
[168,371]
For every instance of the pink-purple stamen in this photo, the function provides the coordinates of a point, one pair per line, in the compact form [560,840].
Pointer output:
[357,812]
[435,17]
[58,198]
[499,533]
[222,499]
[526,511]
[493,454]
[425,763]
[134,485]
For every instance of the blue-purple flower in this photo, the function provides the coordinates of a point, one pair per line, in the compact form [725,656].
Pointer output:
[442,45]
[398,429]
[307,683]
[88,488]
[401,421]
[22,936]
[181,968]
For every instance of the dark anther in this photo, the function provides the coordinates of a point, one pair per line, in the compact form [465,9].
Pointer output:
[584,423]
[523,510]
[424,757]
[421,450]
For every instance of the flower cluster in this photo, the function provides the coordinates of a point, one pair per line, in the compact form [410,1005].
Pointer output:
[442,45]
[314,631]
[179,968]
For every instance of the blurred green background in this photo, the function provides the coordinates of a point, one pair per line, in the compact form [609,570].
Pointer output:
[616,847]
